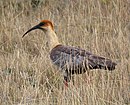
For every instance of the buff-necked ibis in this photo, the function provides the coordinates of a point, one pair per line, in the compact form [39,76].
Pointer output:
[71,60]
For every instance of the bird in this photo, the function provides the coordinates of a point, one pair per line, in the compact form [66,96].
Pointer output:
[70,59]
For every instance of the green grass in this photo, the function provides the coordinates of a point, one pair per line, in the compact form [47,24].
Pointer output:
[27,76]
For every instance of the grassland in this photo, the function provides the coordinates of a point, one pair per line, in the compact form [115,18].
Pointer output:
[27,76]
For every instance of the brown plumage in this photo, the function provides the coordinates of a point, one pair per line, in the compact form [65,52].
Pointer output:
[71,60]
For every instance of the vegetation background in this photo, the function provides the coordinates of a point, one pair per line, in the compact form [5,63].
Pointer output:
[27,76]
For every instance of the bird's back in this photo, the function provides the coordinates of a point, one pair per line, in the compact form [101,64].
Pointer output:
[78,60]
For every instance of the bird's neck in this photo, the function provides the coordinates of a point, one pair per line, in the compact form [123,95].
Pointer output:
[52,39]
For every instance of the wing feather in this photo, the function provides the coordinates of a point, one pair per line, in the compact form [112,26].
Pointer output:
[74,58]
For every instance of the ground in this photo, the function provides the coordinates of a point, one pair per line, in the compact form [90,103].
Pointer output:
[28,77]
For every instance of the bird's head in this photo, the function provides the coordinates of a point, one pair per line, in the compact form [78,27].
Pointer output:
[44,25]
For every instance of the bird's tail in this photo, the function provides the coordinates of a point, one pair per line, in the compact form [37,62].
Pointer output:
[97,62]
[108,65]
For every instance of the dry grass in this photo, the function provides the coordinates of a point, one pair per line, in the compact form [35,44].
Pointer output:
[27,76]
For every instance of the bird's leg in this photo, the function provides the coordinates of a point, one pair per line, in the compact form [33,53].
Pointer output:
[65,81]
[67,78]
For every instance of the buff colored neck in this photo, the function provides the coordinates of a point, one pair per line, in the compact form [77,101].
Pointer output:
[52,39]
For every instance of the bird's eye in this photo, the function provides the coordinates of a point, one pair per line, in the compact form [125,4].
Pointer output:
[41,24]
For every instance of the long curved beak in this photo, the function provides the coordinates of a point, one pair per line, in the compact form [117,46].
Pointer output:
[33,28]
